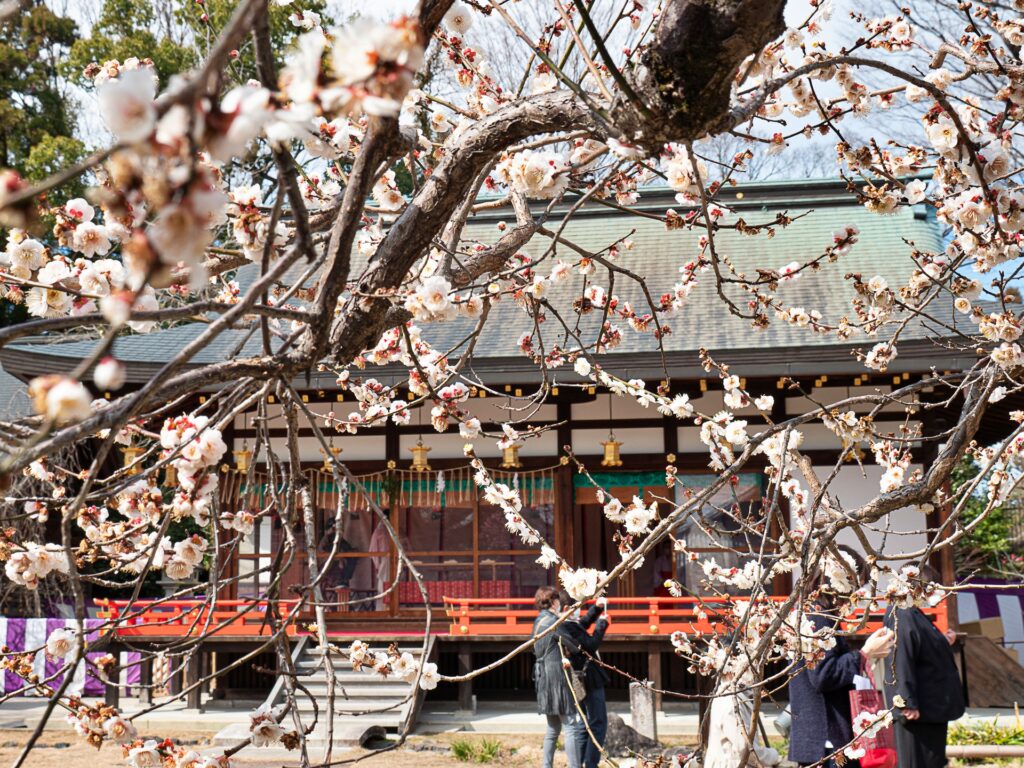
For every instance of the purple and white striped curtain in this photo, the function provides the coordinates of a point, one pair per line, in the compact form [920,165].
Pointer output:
[29,634]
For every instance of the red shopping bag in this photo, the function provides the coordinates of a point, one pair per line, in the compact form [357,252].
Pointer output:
[880,747]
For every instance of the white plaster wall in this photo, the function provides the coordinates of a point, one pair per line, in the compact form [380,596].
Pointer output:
[354,448]
[449,446]
[712,401]
[494,409]
[622,408]
[898,532]
[640,440]
[796,405]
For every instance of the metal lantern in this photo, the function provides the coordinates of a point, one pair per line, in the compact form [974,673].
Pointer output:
[611,445]
[170,476]
[611,452]
[242,458]
[419,456]
[131,456]
[329,459]
[510,457]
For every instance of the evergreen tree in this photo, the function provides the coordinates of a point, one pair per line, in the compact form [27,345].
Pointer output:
[37,123]
[174,35]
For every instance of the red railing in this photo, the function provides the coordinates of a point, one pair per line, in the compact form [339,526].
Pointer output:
[629,616]
[183,618]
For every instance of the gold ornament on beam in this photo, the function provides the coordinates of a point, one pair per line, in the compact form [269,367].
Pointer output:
[242,457]
[419,456]
[170,476]
[131,456]
[510,457]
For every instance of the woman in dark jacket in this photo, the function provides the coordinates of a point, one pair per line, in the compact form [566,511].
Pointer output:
[554,697]
[819,698]
[923,672]
[594,705]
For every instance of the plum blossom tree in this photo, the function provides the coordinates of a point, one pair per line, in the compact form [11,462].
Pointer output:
[351,273]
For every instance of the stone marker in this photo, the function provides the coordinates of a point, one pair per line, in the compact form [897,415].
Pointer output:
[624,741]
[642,711]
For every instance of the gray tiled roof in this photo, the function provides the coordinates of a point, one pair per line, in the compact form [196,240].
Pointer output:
[657,255]
[14,400]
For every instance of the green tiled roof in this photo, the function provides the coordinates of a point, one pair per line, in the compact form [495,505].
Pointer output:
[656,255]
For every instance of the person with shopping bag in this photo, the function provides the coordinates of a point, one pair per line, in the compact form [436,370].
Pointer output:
[874,744]
[819,698]
[922,684]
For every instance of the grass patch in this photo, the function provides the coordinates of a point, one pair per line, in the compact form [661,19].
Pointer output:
[489,751]
[986,733]
[471,751]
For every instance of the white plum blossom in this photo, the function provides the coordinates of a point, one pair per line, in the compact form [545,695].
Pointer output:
[470,429]
[581,584]
[79,209]
[109,375]
[60,399]
[126,105]
[61,643]
[92,239]
[429,677]
[535,173]
[263,725]
[548,557]
[458,19]
[880,356]
[147,755]
[119,730]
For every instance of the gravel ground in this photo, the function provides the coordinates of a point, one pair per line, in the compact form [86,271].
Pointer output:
[65,750]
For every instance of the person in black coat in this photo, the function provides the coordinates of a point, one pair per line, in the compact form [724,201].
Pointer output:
[554,697]
[595,707]
[922,671]
[819,698]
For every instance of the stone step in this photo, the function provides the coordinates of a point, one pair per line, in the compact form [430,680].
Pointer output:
[356,705]
[358,688]
[346,734]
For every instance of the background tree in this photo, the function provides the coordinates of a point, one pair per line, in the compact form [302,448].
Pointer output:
[175,36]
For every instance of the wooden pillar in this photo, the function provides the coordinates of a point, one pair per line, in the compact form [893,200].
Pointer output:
[670,438]
[112,692]
[392,443]
[654,671]
[565,501]
[465,686]
[193,673]
[705,685]
[146,680]
[942,559]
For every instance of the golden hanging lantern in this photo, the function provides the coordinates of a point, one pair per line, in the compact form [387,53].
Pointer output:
[510,457]
[419,456]
[612,458]
[242,458]
[171,476]
[132,453]
[329,459]
[853,452]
